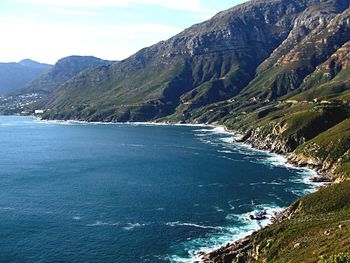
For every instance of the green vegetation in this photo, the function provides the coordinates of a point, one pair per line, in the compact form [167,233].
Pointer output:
[331,147]
[318,227]
[339,258]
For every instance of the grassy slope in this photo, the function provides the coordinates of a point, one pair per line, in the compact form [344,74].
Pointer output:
[323,88]
[314,226]
[141,89]
[331,146]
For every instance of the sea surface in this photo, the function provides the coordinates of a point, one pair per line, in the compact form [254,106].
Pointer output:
[76,192]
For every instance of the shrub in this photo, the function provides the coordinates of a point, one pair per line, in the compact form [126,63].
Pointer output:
[340,258]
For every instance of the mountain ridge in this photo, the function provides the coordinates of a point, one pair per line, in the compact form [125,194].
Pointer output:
[238,54]
[63,70]
[15,75]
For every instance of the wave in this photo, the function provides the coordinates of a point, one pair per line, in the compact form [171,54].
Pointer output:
[127,226]
[204,131]
[5,208]
[227,139]
[237,227]
[131,226]
[165,124]
[215,130]
[218,209]
[231,159]
[200,135]
[132,145]
[101,223]
[7,124]
[225,151]
[178,223]
[267,183]
[211,185]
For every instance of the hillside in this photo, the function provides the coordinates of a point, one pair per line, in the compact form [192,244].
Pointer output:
[15,75]
[206,63]
[275,71]
[65,69]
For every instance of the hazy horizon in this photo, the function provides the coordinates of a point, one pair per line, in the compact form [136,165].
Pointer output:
[47,31]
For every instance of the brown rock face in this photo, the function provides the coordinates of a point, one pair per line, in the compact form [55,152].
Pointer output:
[338,61]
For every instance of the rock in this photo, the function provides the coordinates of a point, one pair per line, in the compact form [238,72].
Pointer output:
[297,245]
[240,258]
[236,252]
[321,179]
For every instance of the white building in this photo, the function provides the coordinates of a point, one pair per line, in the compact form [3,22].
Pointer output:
[39,111]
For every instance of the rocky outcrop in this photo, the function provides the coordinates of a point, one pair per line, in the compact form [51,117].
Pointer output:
[246,249]
[311,18]
[238,252]
[261,138]
[338,61]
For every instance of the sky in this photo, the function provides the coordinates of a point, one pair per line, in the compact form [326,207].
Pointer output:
[47,30]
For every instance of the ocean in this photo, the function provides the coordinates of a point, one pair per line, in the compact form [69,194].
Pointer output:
[78,192]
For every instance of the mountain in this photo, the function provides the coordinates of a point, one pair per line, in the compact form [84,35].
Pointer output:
[208,62]
[15,75]
[63,70]
[276,71]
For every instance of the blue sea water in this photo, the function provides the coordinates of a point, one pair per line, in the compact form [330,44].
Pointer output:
[75,192]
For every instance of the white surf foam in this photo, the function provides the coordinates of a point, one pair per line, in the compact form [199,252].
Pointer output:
[240,228]
[101,223]
[131,226]
[225,151]
[178,223]
[218,209]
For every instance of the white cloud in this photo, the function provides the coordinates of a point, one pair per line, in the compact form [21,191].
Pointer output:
[47,42]
[187,5]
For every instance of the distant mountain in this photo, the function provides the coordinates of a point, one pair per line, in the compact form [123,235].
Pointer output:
[15,75]
[63,70]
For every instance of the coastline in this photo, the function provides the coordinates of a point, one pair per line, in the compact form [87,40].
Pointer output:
[240,245]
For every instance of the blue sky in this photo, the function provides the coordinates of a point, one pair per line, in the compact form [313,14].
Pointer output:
[47,30]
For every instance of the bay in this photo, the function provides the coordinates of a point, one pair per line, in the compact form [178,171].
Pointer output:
[75,192]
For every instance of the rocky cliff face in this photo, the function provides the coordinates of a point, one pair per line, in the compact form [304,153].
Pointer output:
[340,60]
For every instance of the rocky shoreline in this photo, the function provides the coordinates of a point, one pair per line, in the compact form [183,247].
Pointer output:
[243,250]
